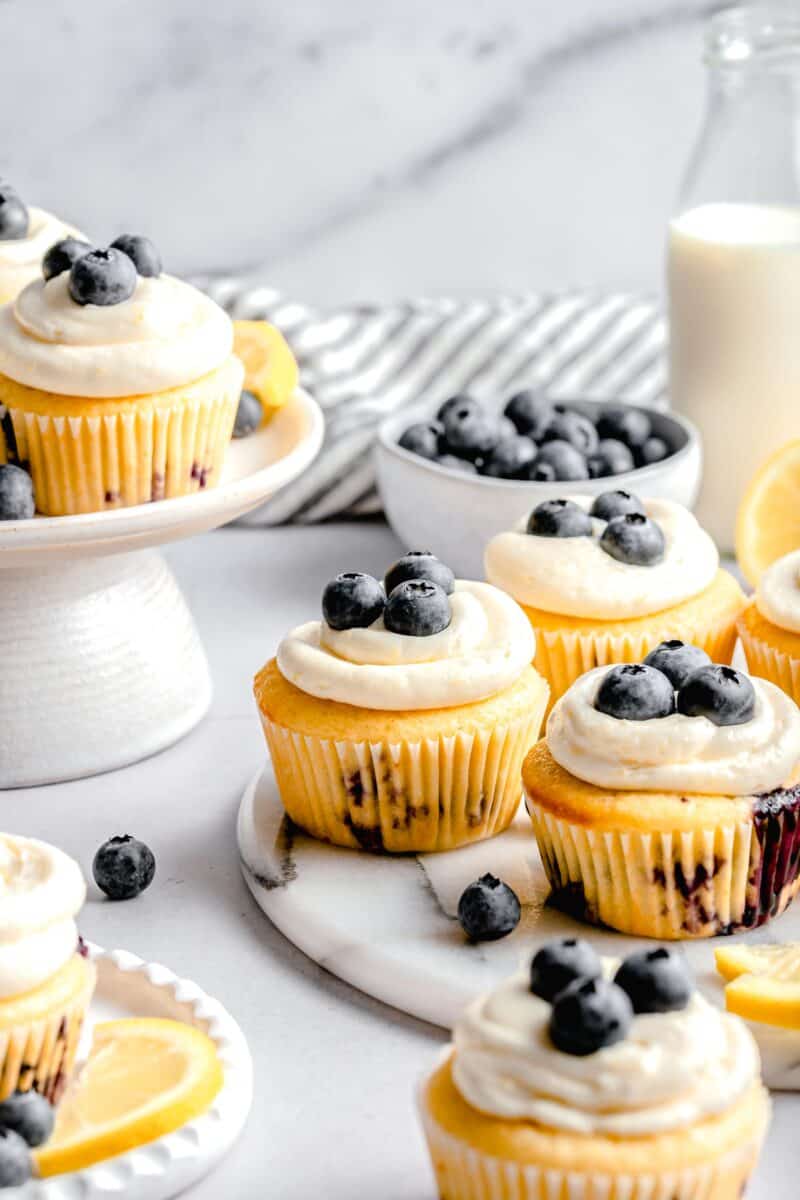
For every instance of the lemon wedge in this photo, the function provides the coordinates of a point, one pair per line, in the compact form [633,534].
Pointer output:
[270,370]
[144,1078]
[764,982]
[768,521]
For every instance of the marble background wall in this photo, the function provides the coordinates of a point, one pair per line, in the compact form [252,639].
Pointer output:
[366,148]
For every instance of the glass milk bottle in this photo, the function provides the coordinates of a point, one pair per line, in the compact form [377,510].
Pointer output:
[734,257]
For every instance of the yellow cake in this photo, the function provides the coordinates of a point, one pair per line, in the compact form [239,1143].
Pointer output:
[769,627]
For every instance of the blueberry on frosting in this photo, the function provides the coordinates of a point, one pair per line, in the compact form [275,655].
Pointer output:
[419,564]
[141,251]
[589,1015]
[635,692]
[488,909]
[560,963]
[102,277]
[677,660]
[723,695]
[655,981]
[14,218]
[559,518]
[62,255]
[634,539]
[352,601]
[616,504]
[417,608]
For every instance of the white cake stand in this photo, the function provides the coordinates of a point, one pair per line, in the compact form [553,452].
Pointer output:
[100,661]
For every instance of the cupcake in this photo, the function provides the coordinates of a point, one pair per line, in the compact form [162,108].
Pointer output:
[584,1078]
[400,720]
[46,980]
[769,627]
[605,580]
[119,381]
[665,797]
[26,234]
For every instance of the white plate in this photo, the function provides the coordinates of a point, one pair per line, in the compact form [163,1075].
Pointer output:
[129,987]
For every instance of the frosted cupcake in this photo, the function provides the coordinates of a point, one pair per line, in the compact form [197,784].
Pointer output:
[119,381]
[770,626]
[26,234]
[665,797]
[46,983]
[605,580]
[581,1078]
[400,720]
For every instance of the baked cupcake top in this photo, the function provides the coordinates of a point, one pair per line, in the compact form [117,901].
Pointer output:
[41,892]
[610,557]
[109,323]
[421,639]
[676,723]
[596,1047]
[25,235]
[778,593]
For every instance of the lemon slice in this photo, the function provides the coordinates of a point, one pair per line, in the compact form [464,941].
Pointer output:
[764,982]
[768,521]
[144,1078]
[270,369]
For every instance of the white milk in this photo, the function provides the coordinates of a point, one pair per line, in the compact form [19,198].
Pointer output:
[734,300]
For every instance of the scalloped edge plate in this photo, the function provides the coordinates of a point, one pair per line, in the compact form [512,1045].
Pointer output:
[159,1170]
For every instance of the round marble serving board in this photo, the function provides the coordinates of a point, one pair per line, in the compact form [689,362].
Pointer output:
[388,924]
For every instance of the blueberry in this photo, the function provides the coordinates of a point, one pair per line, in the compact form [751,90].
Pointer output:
[352,601]
[572,427]
[423,438]
[488,909]
[16,1164]
[616,504]
[655,981]
[465,403]
[566,461]
[628,425]
[589,1015]
[141,251]
[511,458]
[62,255]
[725,696]
[16,494]
[417,608]
[30,1115]
[559,964]
[457,464]
[470,433]
[249,414]
[419,564]
[610,458]
[634,692]
[559,518]
[14,220]
[102,277]
[541,471]
[530,411]
[123,867]
[677,660]
[654,450]
[634,539]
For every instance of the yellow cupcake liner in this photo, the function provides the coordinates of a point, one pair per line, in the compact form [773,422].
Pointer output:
[432,794]
[41,1054]
[465,1173]
[768,662]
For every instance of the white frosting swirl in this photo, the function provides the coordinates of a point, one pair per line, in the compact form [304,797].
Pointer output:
[672,1070]
[676,753]
[41,891]
[21,258]
[576,578]
[484,649]
[778,593]
[167,334]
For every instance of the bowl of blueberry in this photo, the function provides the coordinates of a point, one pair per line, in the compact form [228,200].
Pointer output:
[453,476]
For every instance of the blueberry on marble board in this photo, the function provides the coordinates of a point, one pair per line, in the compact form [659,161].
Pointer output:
[567,462]
[628,425]
[249,414]
[574,428]
[142,253]
[654,450]
[723,695]
[352,600]
[655,981]
[16,1163]
[530,411]
[677,660]
[511,458]
[16,494]
[102,277]
[589,1015]
[417,608]
[635,692]
[560,963]
[419,564]
[616,504]
[634,539]
[123,867]
[29,1114]
[488,909]
[610,458]
[423,438]
[559,518]
[14,217]
[60,257]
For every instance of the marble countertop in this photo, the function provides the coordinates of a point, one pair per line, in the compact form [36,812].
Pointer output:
[335,1071]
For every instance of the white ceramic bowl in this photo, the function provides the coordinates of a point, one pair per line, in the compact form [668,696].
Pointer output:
[454,514]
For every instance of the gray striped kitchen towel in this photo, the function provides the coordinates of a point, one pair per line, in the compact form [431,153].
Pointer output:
[366,361]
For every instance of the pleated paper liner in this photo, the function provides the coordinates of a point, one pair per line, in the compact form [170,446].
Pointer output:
[86,456]
[771,653]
